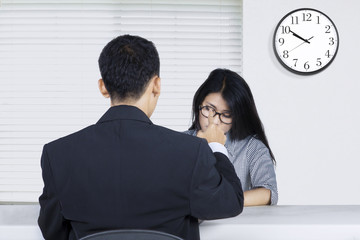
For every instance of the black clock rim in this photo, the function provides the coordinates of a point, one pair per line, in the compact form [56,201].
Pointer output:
[300,72]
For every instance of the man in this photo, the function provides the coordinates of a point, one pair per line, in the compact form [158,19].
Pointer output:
[124,172]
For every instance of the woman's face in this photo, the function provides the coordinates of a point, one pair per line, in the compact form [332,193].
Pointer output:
[216,101]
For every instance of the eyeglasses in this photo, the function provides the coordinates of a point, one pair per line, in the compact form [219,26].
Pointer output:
[225,118]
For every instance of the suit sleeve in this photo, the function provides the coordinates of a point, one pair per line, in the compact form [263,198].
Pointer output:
[216,190]
[51,222]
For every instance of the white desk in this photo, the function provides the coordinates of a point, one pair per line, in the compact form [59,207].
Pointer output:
[18,222]
[287,222]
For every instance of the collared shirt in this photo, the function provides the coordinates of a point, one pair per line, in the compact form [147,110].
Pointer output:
[252,163]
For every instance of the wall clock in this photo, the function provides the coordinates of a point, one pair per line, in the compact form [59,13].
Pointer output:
[306,41]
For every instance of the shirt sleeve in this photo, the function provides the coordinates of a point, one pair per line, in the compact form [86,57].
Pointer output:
[216,190]
[51,222]
[218,147]
[262,171]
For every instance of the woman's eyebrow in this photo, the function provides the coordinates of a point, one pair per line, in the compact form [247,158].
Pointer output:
[213,106]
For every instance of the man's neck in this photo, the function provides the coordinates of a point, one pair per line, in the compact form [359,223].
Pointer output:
[136,104]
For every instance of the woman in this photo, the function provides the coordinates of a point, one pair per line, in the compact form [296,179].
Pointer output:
[228,98]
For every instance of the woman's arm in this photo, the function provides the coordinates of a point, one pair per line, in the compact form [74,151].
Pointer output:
[257,197]
[262,175]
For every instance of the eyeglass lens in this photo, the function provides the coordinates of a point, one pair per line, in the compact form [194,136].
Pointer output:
[206,110]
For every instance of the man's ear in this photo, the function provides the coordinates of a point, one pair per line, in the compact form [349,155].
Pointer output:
[157,86]
[103,89]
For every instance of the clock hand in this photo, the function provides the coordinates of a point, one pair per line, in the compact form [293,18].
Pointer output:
[305,40]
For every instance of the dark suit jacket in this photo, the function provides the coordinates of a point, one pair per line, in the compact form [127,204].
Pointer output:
[125,172]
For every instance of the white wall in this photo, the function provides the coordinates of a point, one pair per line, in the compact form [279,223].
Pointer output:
[312,122]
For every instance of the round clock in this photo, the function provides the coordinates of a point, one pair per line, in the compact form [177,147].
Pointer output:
[306,41]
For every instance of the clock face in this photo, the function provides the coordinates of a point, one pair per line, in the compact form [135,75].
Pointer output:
[306,41]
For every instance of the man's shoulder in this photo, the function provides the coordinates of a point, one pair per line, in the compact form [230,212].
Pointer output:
[182,143]
[191,132]
[72,137]
[178,136]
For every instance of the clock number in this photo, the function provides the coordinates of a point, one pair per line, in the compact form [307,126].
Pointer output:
[294,20]
[285,29]
[327,29]
[306,66]
[319,63]
[307,17]
[285,54]
[328,54]
[295,60]
[332,41]
[318,19]
[281,41]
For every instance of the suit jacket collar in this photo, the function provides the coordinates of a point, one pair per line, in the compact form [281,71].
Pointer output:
[124,112]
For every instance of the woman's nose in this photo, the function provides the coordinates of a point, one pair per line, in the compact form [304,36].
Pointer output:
[217,119]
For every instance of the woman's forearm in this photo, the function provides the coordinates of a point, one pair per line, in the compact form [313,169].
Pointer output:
[257,197]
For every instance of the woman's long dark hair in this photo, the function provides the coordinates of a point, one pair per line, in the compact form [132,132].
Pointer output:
[237,94]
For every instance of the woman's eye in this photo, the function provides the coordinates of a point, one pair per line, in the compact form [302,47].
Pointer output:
[226,115]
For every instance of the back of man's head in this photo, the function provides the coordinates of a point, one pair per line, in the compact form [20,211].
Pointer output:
[127,63]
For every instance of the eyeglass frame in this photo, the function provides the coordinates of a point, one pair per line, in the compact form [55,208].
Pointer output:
[216,113]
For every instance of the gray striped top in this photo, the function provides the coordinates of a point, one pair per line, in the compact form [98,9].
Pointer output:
[252,163]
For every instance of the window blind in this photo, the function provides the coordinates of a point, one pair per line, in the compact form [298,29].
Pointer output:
[49,72]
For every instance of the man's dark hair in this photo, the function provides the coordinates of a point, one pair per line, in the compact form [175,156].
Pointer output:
[127,63]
